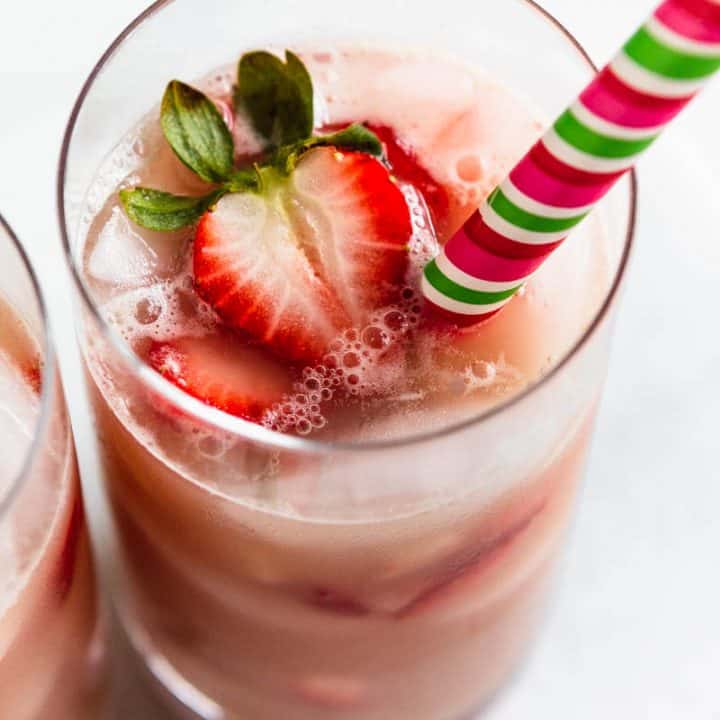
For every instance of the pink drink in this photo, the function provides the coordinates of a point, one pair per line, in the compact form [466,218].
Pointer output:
[265,579]
[50,641]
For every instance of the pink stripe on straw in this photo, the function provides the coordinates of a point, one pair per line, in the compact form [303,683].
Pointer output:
[496,243]
[478,261]
[541,176]
[461,321]
[611,99]
[696,19]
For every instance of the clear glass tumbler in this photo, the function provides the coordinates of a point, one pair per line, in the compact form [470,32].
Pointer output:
[51,639]
[271,576]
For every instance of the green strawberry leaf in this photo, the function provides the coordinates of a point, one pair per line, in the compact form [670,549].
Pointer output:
[277,96]
[355,137]
[197,133]
[157,210]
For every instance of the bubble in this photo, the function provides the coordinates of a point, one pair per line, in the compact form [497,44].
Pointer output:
[351,360]
[420,222]
[353,379]
[470,168]
[484,371]
[375,337]
[351,335]
[138,147]
[147,311]
[211,447]
[312,383]
[303,426]
[395,320]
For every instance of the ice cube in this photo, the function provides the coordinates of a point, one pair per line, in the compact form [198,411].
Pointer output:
[121,256]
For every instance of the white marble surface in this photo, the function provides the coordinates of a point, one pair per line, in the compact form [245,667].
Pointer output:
[635,631]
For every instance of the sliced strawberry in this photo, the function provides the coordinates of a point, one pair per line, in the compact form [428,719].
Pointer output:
[466,577]
[406,166]
[309,257]
[242,380]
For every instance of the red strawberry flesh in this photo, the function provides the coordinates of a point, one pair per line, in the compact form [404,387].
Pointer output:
[408,169]
[240,379]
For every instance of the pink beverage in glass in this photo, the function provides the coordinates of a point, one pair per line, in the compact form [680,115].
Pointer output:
[51,649]
[327,518]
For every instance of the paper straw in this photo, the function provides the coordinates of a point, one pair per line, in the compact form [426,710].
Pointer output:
[588,148]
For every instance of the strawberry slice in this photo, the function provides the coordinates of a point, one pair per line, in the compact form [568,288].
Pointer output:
[407,167]
[309,257]
[239,379]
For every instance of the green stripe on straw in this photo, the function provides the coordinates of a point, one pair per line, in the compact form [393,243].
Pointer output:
[646,50]
[447,287]
[589,141]
[515,215]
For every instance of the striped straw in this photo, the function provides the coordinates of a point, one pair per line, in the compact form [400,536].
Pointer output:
[590,146]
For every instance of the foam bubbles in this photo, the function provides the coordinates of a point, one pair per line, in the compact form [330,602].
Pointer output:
[362,364]
[162,311]
[423,243]
[470,168]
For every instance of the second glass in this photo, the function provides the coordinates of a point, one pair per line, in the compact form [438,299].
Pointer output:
[52,650]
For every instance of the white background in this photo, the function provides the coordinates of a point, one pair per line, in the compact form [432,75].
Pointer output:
[635,631]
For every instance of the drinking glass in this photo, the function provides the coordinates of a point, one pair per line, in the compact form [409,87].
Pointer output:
[273,576]
[51,633]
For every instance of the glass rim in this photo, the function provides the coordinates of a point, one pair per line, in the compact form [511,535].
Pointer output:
[249,430]
[47,376]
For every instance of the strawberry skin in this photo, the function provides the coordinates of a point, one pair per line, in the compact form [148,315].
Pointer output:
[405,164]
[311,256]
[242,380]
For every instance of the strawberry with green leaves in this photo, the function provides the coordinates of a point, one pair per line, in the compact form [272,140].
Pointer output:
[298,247]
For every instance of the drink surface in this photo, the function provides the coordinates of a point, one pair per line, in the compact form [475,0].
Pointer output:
[451,133]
